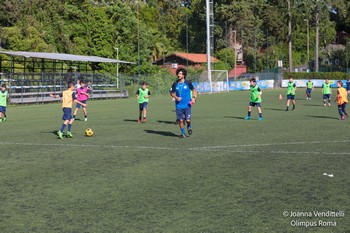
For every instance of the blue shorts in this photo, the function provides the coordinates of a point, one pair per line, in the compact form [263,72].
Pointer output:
[2,109]
[253,104]
[290,97]
[183,114]
[67,114]
[308,90]
[78,105]
[326,96]
[143,105]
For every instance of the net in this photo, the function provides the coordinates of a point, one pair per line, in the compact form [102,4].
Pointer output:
[217,84]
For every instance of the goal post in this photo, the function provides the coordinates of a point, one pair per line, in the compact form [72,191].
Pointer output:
[218,82]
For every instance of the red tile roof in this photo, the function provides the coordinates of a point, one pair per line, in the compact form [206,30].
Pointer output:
[196,57]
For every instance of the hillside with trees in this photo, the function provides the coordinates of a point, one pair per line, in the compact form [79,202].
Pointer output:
[144,31]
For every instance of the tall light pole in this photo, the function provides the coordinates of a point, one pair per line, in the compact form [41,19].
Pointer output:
[138,38]
[186,39]
[209,27]
[255,52]
[308,40]
[117,66]
[163,48]
[235,74]
[317,35]
[290,58]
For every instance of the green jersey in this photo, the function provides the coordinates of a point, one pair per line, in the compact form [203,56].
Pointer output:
[254,94]
[3,98]
[291,88]
[142,93]
[309,84]
[326,88]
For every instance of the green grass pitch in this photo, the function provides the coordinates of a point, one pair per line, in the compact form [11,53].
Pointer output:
[231,175]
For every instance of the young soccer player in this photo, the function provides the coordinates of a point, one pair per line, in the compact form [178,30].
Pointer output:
[327,93]
[291,92]
[142,96]
[309,88]
[255,99]
[68,98]
[3,102]
[342,100]
[82,93]
[181,91]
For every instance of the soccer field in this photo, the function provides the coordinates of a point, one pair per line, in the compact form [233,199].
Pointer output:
[231,175]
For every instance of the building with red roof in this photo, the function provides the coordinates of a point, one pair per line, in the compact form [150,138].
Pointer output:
[183,60]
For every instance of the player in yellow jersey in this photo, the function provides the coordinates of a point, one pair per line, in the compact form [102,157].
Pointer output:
[342,99]
[68,98]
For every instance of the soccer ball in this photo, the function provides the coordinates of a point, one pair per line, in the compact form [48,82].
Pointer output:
[89,132]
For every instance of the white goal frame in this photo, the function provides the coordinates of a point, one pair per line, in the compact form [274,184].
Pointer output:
[218,81]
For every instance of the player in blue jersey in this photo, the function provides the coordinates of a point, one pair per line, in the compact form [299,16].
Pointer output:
[181,92]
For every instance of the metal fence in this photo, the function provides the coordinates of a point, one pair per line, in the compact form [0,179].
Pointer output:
[36,87]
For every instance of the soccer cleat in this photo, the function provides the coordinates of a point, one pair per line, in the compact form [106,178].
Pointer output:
[247,118]
[60,134]
[85,119]
[4,119]
[324,105]
[144,120]
[189,130]
[69,135]
[260,119]
[341,118]
[329,104]
[347,115]
[139,120]
[183,136]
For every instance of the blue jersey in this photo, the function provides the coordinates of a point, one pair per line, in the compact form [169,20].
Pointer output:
[182,90]
[348,85]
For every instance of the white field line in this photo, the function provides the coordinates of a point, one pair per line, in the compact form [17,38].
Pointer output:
[227,148]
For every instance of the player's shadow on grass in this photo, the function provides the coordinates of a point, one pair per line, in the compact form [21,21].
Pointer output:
[323,117]
[275,109]
[53,132]
[131,120]
[235,117]
[316,105]
[163,133]
[166,122]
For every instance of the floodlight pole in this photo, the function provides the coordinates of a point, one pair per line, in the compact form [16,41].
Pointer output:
[308,40]
[290,58]
[117,49]
[317,37]
[235,64]
[208,44]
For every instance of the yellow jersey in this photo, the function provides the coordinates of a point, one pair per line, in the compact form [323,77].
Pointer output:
[68,98]
[342,96]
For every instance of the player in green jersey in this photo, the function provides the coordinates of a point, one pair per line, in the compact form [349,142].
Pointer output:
[327,93]
[3,102]
[255,99]
[309,88]
[291,88]
[142,96]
